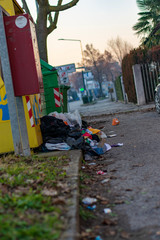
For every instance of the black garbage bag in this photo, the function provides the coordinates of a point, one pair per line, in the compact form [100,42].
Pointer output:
[53,127]
[76,143]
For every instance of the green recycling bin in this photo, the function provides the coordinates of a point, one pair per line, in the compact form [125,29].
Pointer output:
[63,91]
[51,88]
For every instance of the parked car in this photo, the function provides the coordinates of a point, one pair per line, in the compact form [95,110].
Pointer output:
[157,97]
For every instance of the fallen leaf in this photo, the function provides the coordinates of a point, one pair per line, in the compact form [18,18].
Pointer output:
[109,222]
[118,201]
[101,198]
[113,177]
[105,202]
[49,192]
[85,234]
[128,189]
[111,233]
[97,227]
[59,201]
[113,170]
[158,233]
[22,190]
[125,235]
[137,165]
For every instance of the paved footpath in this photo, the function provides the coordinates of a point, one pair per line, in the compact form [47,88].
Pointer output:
[106,107]
[103,107]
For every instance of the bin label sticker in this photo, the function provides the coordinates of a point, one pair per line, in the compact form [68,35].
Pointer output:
[21,21]
[4,112]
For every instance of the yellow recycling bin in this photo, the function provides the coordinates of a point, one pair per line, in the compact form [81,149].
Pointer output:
[6,141]
[32,114]
[31,104]
[8,6]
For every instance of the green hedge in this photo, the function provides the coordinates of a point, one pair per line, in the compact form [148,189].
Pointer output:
[118,87]
[137,56]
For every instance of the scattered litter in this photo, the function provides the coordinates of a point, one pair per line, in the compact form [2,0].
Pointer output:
[89,200]
[115,122]
[83,167]
[117,145]
[105,180]
[93,131]
[87,157]
[108,147]
[107,210]
[129,190]
[92,163]
[98,238]
[57,146]
[101,150]
[91,207]
[112,135]
[101,173]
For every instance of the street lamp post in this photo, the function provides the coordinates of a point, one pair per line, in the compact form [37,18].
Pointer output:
[77,40]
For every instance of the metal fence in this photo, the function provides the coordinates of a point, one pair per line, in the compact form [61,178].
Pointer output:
[150,73]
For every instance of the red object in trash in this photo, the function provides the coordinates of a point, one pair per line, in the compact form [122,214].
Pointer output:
[23,55]
[101,173]
[115,122]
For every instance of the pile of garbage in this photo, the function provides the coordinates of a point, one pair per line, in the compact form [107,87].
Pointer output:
[66,131]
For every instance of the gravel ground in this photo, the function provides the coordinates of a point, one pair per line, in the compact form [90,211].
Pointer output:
[133,170]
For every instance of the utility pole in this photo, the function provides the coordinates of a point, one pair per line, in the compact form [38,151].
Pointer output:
[21,145]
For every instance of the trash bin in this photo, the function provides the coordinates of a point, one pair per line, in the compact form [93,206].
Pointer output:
[51,88]
[63,91]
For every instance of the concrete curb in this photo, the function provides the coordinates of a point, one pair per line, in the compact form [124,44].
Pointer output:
[118,112]
[72,229]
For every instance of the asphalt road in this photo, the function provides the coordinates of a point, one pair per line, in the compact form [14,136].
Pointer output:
[135,170]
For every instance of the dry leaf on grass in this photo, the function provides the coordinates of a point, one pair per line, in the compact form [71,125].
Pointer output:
[109,222]
[125,235]
[49,192]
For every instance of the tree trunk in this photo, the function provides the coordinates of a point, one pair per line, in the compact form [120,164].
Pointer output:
[101,91]
[41,28]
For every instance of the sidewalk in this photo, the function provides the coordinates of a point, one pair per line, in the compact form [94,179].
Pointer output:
[103,107]
[106,106]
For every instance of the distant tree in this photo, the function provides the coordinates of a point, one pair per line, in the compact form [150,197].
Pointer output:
[101,64]
[46,22]
[148,25]
[119,48]
[76,80]
[93,60]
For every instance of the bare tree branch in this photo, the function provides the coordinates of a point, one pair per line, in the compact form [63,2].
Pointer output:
[63,7]
[25,7]
[53,24]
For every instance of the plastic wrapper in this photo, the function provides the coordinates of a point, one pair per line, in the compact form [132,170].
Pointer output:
[70,118]
[57,146]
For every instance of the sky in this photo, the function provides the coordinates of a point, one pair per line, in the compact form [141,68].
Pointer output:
[93,22]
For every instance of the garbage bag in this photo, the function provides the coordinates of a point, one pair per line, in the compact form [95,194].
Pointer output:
[53,127]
